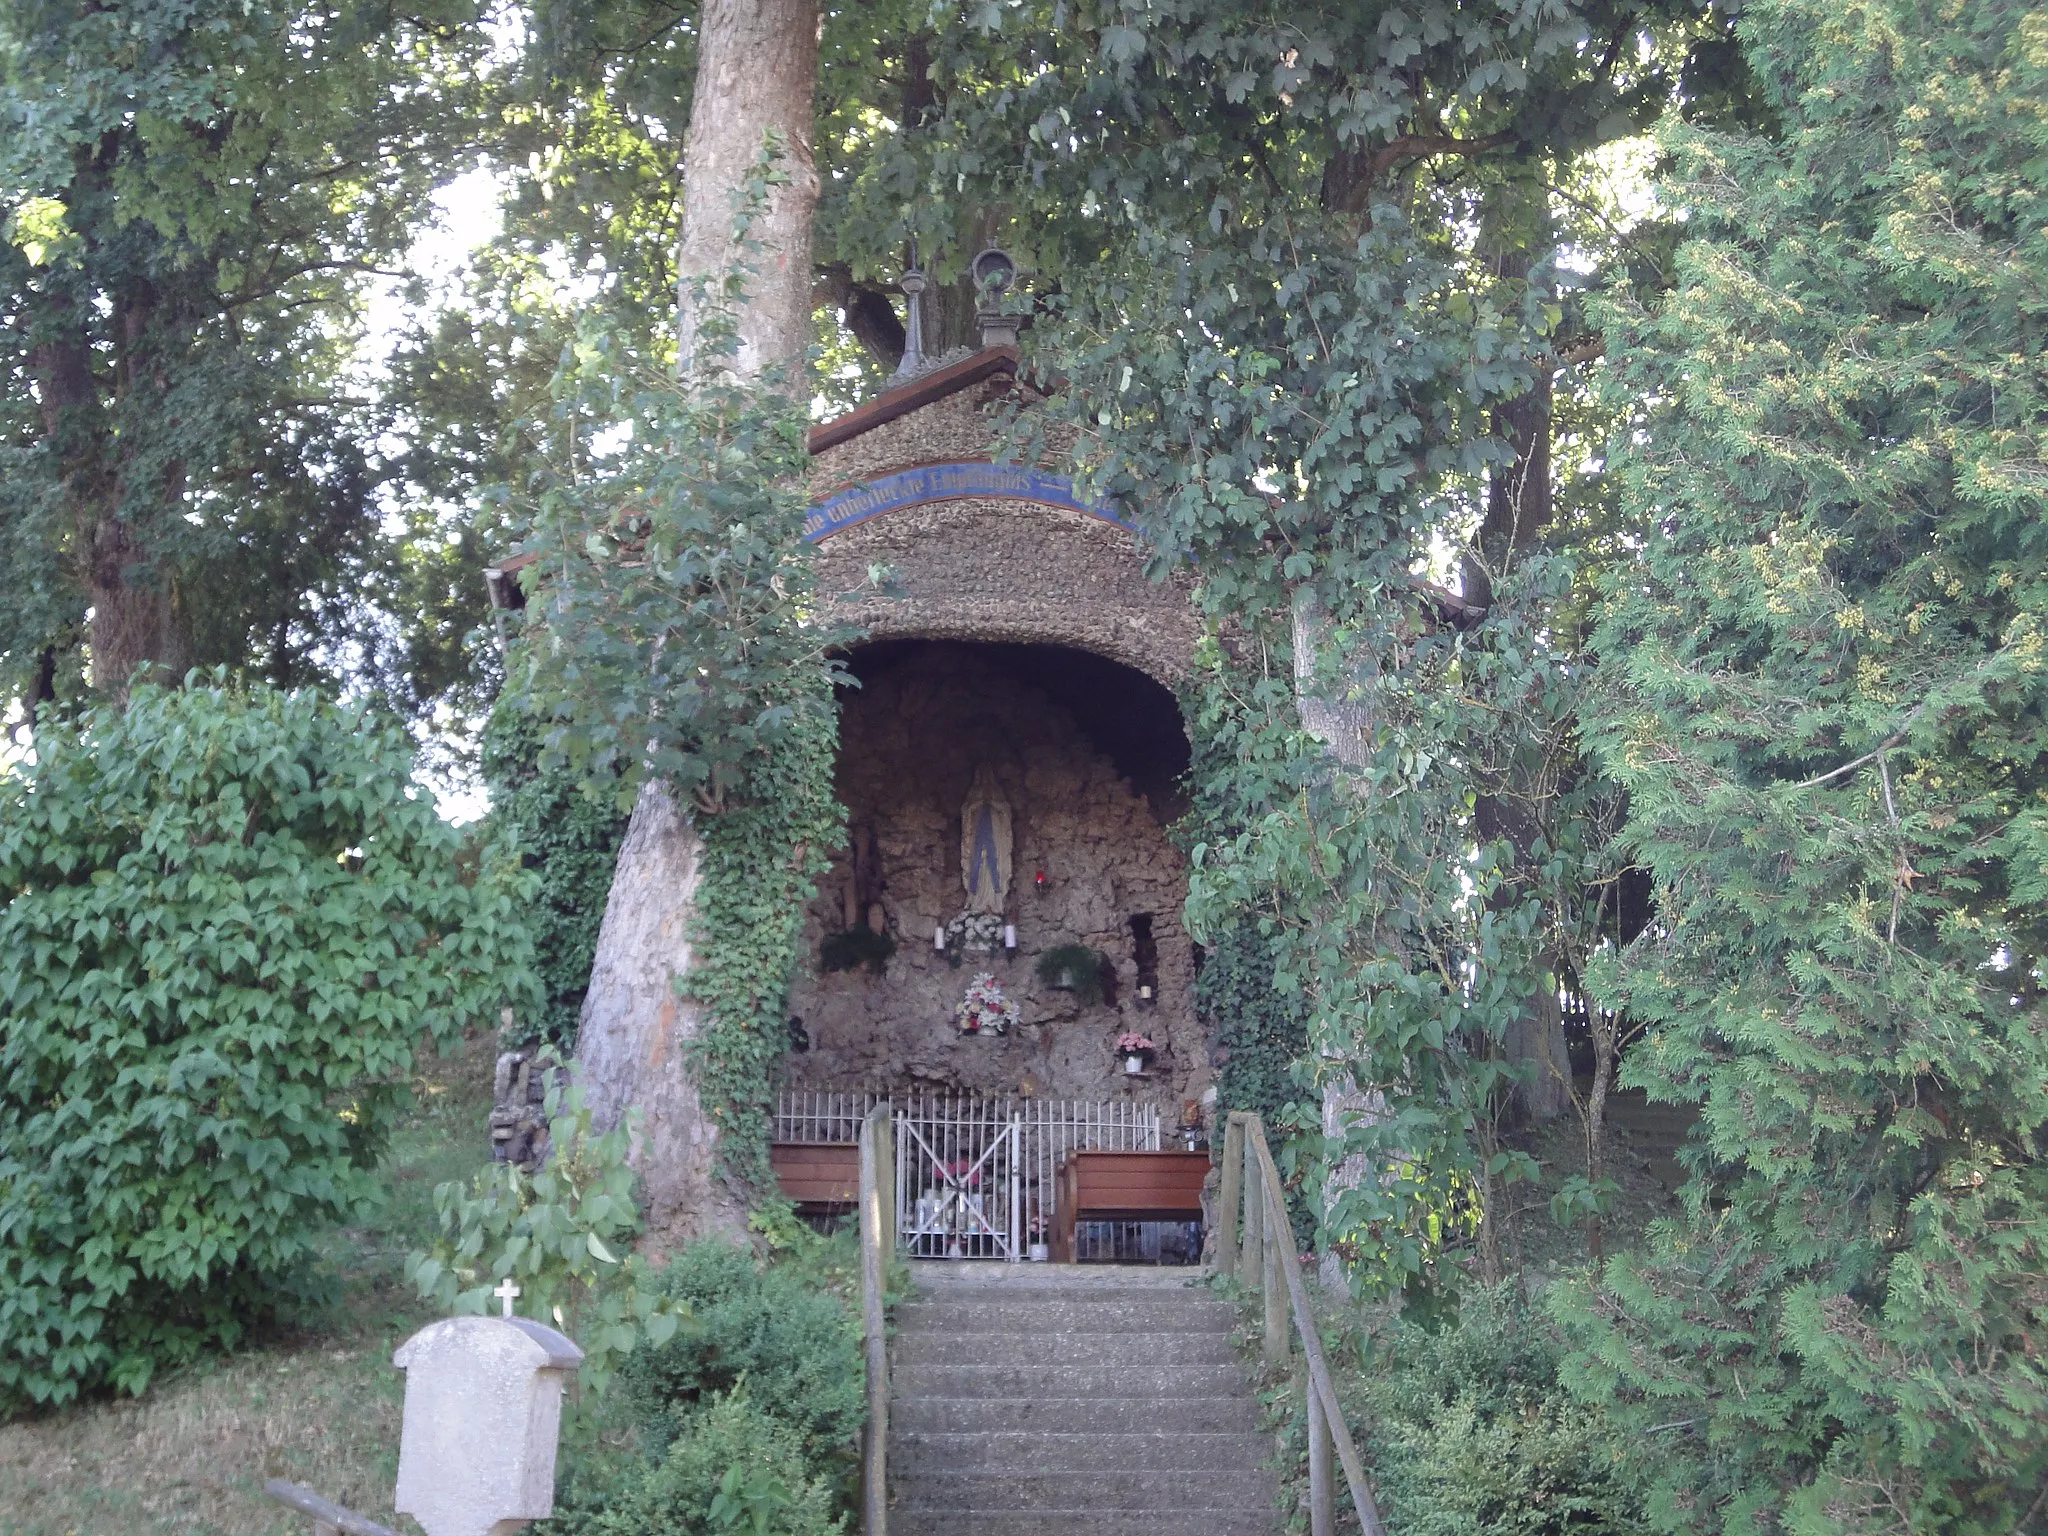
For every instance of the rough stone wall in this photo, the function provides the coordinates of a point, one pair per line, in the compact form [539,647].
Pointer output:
[959,427]
[910,742]
[991,568]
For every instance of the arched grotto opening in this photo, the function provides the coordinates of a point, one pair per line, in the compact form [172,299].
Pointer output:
[1002,791]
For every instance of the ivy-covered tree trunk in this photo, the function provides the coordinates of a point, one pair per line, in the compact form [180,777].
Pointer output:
[757,72]
[637,1025]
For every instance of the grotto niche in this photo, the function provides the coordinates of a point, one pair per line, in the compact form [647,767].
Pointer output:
[1001,791]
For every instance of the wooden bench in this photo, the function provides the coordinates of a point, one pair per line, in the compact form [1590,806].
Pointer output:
[820,1179]
[1126,1186]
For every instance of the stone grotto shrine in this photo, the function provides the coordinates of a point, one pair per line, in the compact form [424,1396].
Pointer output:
[1020,661]
[998,954]
[1004,926]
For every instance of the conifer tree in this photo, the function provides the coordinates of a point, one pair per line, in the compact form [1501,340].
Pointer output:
[1824,689]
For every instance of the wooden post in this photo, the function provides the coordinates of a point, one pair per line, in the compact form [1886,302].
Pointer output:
[1279,1256]
[885,1176]
[1231,1195]
[1318,1370]
[1322,1485]
[1251,1266]
[874,1227]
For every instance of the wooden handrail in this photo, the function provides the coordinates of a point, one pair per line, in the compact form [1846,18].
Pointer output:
[877,1243]
[1262,1262]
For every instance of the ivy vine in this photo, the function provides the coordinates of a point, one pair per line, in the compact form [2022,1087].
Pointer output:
[762,859]
[1261,1032]
[569,838]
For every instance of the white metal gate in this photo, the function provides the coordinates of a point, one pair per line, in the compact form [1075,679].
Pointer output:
[975,1177]
[957,1183]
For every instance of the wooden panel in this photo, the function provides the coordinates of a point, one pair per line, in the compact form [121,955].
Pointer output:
[1162,1185]
[817,1175]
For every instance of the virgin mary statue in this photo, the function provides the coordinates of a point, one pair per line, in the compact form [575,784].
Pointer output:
[985,863]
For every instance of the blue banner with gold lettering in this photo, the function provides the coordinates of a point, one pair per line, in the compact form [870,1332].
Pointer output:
[945,482]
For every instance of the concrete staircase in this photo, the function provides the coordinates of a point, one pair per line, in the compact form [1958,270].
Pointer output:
[1103,1400]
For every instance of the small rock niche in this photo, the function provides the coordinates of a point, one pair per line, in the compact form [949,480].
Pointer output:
[1080,758]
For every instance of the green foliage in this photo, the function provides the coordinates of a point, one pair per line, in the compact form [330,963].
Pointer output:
[1307,275]
[732,1467]
[1826,692]
[193,200]
[1470,1431]
[856,947]
[1262,1031]
[570,839]
[564,1234]
[1077,968]
[790,1341]
[663,634]
[226,918]
[761,862]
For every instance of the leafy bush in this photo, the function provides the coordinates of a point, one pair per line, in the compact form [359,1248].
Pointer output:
[225,919]
[1470,1431]
[564,1234]
[794,1345]
[733,1467]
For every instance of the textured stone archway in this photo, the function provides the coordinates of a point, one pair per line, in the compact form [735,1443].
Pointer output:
[1088,752]
[1009,571]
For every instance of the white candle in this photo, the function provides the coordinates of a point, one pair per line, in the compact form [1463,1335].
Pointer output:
[939,937]
[1009,935]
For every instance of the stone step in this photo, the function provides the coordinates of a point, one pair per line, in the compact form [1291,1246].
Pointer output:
[985,1274]
[1081,1522]
[1020,1293]
[1131,1489]
[1061,1349]
[914,1453]
[1166,1385]
[1068,1415]
[1169,1313]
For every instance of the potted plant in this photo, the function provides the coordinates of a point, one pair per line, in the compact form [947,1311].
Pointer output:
[984,1010]
[1039,1250]
[1136,1050]
[1073,968]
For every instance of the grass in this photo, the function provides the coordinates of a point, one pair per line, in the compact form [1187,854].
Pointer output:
[319,1405]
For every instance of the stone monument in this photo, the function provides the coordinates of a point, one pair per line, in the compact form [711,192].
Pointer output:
[483,1411]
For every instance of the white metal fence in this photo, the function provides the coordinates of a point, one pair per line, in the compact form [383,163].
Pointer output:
[975,1177]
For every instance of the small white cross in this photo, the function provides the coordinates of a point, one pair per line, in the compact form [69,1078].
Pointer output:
[505,1292]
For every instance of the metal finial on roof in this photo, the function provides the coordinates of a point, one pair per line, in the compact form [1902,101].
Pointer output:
[913,285]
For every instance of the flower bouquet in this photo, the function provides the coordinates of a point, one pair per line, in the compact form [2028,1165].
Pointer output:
[1136,1050]
[984,1010]
[973,933]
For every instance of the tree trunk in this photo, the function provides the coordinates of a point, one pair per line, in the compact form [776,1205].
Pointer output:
[757,71]
[637,1025]
[1606,1047]
[1519,509]
[135,631]
[134,627]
